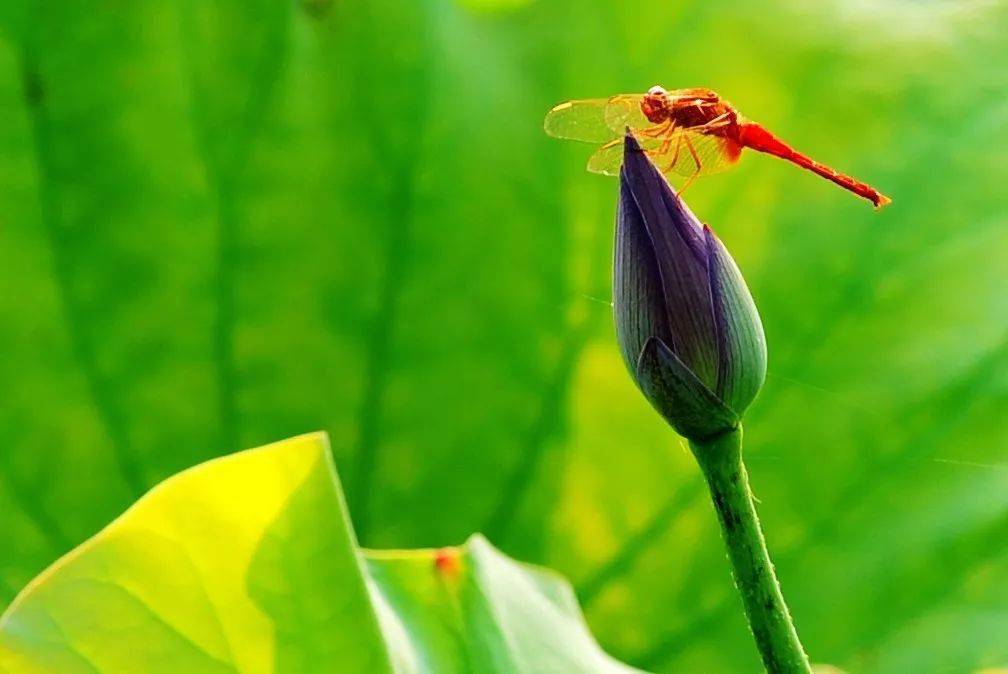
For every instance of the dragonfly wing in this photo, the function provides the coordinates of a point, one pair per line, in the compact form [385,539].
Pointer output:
[608,158]
[689,153]
[624,111]
[580,120]
[596,120]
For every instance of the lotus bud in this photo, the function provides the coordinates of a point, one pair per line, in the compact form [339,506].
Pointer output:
[685,320]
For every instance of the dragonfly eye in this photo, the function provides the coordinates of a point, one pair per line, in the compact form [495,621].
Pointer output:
[655,107]
[656,91]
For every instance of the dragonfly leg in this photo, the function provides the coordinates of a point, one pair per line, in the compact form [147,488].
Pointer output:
[667,143]
[696,157]
[675,155]
[666,129]
[686,183]
[657,130]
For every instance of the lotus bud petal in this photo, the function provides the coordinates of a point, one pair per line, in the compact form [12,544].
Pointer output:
[686,323]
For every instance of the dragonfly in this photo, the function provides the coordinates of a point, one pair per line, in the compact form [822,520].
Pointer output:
[687,133]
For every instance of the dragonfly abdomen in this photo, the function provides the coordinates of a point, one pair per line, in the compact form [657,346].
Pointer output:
[754,136]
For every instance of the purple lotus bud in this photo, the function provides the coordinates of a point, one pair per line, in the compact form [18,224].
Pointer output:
[686,323]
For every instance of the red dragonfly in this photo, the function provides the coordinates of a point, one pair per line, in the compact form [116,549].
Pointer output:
[686,132]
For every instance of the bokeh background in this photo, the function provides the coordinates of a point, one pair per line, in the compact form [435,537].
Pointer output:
[227,222]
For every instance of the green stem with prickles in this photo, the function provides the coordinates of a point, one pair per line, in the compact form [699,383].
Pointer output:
[776,638]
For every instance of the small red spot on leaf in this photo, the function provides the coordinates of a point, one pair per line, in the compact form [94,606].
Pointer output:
[446,561]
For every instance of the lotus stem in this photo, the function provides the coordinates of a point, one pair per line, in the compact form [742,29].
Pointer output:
[720,459]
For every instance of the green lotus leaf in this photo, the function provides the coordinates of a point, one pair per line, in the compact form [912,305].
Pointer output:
[248,563]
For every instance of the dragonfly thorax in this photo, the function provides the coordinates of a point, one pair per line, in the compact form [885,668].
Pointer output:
[685,107]
[695,113]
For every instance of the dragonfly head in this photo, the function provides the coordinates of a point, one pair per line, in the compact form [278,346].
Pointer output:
[655,105]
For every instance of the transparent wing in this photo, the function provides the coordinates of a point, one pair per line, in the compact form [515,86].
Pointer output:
[676,152]
[579,120]
[608,158]
[624,111]
[595,120]
[689,153]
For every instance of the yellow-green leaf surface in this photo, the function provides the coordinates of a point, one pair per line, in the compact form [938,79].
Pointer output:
[245,563]
[248,564]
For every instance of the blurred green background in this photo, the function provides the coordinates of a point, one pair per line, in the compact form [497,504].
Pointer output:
[226,222]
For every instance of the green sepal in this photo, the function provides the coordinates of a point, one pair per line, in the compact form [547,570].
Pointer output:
[692,409]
